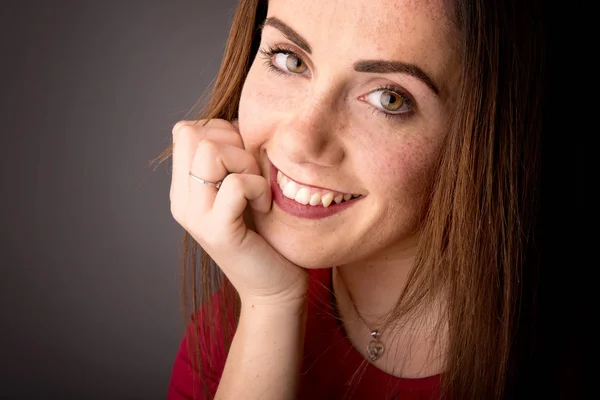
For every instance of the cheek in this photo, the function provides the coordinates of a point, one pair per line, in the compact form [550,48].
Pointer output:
[404,171]
[248,117]
[257,111]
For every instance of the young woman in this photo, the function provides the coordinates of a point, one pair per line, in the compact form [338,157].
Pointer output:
[361,190]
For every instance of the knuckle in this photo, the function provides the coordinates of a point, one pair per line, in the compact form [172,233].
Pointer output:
[216,123]
[183,134]
[208,129]
[232,181]
[237,140]
[188,127]
[180,125]
[208,149]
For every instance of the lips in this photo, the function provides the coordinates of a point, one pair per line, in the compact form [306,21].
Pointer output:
[306,201]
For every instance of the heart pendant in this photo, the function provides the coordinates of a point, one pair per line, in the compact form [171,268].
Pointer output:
[375,350]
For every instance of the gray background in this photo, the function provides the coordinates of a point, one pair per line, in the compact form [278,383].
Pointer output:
[89,254]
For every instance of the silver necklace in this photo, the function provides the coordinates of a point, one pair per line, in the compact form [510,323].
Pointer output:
[375,348]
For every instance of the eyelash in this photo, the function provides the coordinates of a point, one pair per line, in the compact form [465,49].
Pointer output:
[271,51]
[268,55]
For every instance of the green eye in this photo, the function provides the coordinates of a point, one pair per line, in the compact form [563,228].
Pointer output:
[391,101]
[291,62]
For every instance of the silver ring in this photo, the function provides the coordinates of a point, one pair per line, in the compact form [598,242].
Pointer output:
[213,184]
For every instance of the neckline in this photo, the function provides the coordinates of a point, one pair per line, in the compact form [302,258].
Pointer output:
[403,384]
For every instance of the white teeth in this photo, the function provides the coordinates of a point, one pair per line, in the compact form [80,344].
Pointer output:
[290,190]
[303,196]
[283,181]
[327,199]
[315,199]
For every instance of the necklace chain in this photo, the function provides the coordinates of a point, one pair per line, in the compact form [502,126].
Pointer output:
[375,348]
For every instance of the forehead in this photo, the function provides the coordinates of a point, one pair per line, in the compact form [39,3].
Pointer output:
[414,31]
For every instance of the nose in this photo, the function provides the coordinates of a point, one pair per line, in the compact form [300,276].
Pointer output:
[312,132]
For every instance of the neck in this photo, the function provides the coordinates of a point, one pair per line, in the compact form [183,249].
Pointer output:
[413,349]
[375,284]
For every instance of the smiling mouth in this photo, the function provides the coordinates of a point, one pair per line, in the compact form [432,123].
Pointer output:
[305,195]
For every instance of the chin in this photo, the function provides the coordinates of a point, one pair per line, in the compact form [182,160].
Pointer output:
[299,247]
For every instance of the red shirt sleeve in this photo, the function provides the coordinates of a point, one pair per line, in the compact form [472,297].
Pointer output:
[186,383]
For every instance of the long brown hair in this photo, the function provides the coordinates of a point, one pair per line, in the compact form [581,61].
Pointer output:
[477,242]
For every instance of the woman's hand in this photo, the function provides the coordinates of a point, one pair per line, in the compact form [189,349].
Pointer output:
[214,151]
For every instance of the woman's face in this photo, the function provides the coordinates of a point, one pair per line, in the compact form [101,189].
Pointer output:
[348,97]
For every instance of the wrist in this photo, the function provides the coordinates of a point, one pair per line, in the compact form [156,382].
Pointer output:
[272,308]
[289,301]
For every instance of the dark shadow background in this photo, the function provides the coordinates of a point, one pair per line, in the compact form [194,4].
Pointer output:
[89,251]
[89,91]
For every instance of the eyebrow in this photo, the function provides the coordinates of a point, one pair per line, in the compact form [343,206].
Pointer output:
[386,67]
[368,66]
[288,32]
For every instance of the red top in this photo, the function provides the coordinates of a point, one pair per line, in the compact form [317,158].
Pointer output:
[332,368]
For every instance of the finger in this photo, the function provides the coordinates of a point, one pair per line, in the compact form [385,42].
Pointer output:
[186,137]
[217,130]
[236,192]
[199,123]
[184,145]
[213,162]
